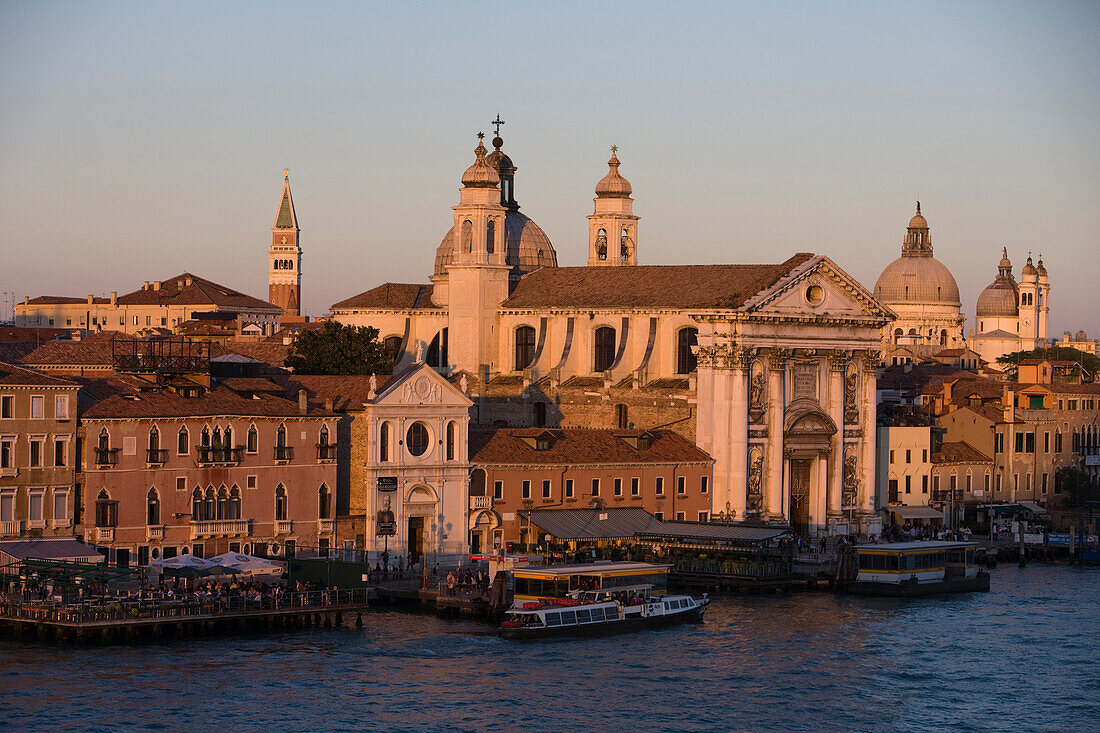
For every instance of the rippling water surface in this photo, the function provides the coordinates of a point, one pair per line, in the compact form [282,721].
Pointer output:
[1023,656]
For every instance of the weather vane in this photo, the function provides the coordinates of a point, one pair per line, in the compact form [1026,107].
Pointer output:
[497,123]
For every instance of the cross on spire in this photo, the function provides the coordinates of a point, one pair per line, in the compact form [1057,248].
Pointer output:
[614,149]
[496,125]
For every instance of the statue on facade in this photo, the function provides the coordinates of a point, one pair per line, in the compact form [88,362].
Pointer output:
[851,400]
[850,493]
[373,386]
[419,352]
[464,384]
[758,402]
[756,472]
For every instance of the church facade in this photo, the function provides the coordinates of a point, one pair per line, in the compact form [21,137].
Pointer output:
[770,369]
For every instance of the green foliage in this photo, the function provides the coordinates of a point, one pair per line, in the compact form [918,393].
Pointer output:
[339,349]
[1076,485]
[1090,362]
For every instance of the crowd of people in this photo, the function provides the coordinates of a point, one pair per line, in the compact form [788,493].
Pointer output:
[909,532]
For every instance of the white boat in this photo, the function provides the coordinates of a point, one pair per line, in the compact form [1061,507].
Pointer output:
[600,612]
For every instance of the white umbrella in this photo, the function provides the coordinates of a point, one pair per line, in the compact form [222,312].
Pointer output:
[183,562]
[235,562]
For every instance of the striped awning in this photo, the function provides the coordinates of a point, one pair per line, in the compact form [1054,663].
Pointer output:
[915,512]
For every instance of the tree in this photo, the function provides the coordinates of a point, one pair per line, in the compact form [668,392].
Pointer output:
[1076,485]
[338,349]
[1090,362]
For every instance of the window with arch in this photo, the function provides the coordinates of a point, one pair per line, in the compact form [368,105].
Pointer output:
[467,236]
[223,503]
[322,438]
[154,438]
[280,437]
[210,505]
[604,351]
[384,442]
[525,347]
[686,361]
[943,337]
[490,236]
[601,244]
[216,441]
[228,437]
[477,482]
[898,333]
[196,505]
[234,503]
[624,245]
[104,439]
[280,503]
[204,439]
[324,502]
[437,350]
[416,440]
[540,414]
[450,441]
[622,418]
[152,508]
[253,439]
[183,442]
[391,345]
[106,511]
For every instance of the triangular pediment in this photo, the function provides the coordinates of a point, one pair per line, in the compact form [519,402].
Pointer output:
[818,289]
[420,384]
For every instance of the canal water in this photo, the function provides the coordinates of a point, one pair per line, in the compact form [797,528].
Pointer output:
[1025,656]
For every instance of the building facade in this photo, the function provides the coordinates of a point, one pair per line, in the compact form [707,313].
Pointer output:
[284,273]
[1012,316]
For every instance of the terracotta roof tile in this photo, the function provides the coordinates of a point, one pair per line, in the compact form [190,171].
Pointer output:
[165,403]
[673,286]
[11,374]
[959,453]
[346,392]
[504,446]
[400,296]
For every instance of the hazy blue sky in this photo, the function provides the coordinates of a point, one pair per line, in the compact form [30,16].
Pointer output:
[139,140]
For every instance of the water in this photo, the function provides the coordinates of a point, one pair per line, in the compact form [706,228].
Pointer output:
[1023,656]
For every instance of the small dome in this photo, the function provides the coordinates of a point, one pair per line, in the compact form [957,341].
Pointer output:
[917,280]
[613,185]
[918,221]
[1029,269]
[527,247]
[481,174]
[499,159]
[1042,270]
[998,300]
[1005,262]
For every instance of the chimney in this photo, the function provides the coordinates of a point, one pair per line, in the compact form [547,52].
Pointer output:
[303,404]
[114,297]
[187,281]
[27,300]
[328,404]
[156,285]
[145,285]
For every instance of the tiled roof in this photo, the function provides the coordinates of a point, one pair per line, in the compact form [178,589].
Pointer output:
[656,286]
[1072,389]
[346,392]
[12,375]
[959,453]
[987,389]
[272,354]
[188,289]
[593,524]
[915,376]
[389,296]
[503,446]
[94,350]
[218,401]
[251,384]
[993,414]
[19,335]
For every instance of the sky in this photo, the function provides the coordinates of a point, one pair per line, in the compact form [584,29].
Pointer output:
[141,140]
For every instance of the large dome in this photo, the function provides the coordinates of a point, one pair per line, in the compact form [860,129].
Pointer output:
[917,280]
[998,300]
[528,247]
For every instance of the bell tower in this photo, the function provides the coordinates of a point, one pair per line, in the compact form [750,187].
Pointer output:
[284,274]
[612,227]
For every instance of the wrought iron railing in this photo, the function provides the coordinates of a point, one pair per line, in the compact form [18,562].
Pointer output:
[284,453]
[156,455]
[326,452]
[206,454]
[106,456]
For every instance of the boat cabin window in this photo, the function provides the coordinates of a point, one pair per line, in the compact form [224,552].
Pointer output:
[553,618]
[568,618]
[541,588]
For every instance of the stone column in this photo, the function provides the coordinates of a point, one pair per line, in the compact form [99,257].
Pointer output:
[867,424]
[820,491]
[838,362]
[721,445]
[739,433]
[774,471]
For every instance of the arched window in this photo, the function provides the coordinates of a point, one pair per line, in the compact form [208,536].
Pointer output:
[384,442]
[686,361]
[525,347]
[490,235]
[604,349]
[601,244]
[234,503]
[943,337]
[183,442]
[152,511]
[624,245]
[621,417]
[540,414]
[217,443]
[229,436]
[477,482]
[324,503]
[898,333]
[104,440]
[205,438]
[323,437]
[154,438]
[223,504]
[280,503]
[209,505]
[106,511]
[196,504]
[416,440]
[467,236]
[280,437]
[253,439]
[391,345]
[450,441]
[437,350]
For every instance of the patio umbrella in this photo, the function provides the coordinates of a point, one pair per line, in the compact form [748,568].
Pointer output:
[186,566]
[236,563]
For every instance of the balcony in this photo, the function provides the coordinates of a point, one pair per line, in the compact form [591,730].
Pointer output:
[154,532]
[326,526]
[1033,415]
[481,502]
[326,452]
[156,456]
[106,457]
[283,526]
[61,523]
[104,534]
[221,528]
[11,528]
[9,472]
[284,453]
[36,524]
[207,455]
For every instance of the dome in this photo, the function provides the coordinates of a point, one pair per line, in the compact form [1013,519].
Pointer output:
[998,300]
[1042,270]
[917,280]
[528,247]
[480,174]
[918,221]
[613,185]
[499,159]
[1005,263]
[1029,269]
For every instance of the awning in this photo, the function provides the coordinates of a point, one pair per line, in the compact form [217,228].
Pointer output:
[697,531]
[592,524]
[915,512]
[1032,507]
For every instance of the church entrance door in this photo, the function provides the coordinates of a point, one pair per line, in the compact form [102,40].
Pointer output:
[415,539]
[800,496]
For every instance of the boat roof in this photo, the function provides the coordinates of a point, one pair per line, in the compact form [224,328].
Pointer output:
[608,568]
[917,546]
[620,588]
[552,608]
